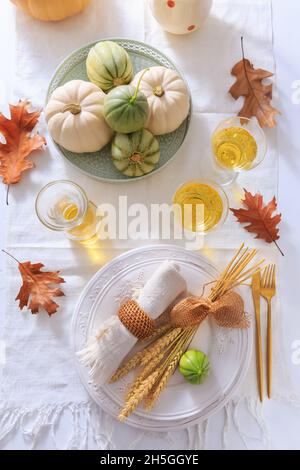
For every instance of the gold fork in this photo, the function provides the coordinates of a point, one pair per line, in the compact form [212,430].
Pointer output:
[268,291]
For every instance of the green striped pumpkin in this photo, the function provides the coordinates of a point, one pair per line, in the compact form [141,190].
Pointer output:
[194,366]
[126,109]
[135,154]
[109,65]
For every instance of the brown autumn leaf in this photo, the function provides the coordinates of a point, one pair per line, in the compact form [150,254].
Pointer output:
[258,97]
[19,142]
[37,291]
[259,217]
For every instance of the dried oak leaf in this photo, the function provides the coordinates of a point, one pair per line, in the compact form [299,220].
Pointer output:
[36,291]
[19,143]
[257,96]
[259,217]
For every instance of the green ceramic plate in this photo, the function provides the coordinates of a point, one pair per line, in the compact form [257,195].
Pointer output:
[99,164]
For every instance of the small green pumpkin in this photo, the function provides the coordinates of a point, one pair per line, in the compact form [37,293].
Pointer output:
[126,109]
[109,65]
[194,366]
[135,154]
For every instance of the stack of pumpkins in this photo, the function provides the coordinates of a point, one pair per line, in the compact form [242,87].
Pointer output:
[84,116]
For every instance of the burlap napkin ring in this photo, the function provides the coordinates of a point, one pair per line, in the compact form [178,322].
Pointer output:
[136,320]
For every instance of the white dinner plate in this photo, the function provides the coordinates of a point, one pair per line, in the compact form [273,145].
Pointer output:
[181,404]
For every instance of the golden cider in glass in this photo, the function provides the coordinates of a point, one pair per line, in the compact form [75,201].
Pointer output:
[202,206]
[235,148]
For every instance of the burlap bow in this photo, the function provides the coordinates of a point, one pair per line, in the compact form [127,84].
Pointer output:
[228,311]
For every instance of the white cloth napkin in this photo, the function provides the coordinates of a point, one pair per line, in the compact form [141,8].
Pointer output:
[108,346]
[40,385]
[162,289]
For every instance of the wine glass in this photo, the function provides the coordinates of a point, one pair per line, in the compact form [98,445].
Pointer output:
[202,205]
[238,144]
[64,206]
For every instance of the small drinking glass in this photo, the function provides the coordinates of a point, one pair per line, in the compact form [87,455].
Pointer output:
[239,144]
[203,205]
[63,206]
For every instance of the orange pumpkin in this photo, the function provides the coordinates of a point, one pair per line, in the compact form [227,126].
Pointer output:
[51,10]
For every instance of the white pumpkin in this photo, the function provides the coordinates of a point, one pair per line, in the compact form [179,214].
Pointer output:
[180,16]
[168,99]
[75,118]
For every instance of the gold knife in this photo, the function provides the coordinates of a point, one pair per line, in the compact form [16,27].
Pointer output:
[259,356]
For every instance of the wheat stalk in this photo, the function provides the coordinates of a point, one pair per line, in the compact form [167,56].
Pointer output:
[135,361]
[137,391]
[154,360]
[169,367]
[161,344]
[145,372]
[127,367]
[235,273]
[158,333]
[143,357]
[139,395]
[152,397]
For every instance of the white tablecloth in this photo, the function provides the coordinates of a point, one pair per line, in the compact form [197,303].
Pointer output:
[40,383]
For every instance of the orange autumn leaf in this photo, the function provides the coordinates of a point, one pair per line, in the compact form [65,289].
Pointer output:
[19,142]
[258,97]
[36,291]
[38,287]
[259,217]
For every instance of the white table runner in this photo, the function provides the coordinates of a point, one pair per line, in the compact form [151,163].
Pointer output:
[40,386]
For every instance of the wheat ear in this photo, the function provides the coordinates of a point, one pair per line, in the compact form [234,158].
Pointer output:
[159,387]
[141,392]
[145,372]
[157,333]
[152,350]
[153,360]
[160,344]
[169,367]
[127,367]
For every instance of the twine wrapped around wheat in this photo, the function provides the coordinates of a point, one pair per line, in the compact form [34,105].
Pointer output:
[159,359]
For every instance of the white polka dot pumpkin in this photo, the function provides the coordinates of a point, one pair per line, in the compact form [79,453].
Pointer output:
[180,16]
